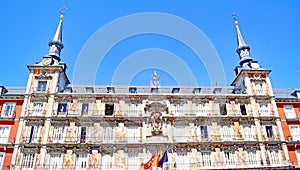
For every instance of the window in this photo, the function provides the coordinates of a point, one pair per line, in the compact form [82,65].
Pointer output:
[252,157]
[68,90]
[217,91]
[175,90]
[273,157]
[243,109]
[132,89]
[110,90]
[81,161]
[226,132]
[32,134]
[204,134]
[109,109]
[154,90]
[55,161]
[223,109]
[197,90]
[37,109]
[230,158]
[85,109]
[269,132]
[295,132]
[28,161]
[1,159]
[289,112]
[4,134]
[265,109]
[8,109]
[42,86]
[58,134]
[89,90]
[62,108]
[259,87]
[83,135]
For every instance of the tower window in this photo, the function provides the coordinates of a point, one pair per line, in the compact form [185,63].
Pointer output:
[62,108]
[109,109]
[42,85]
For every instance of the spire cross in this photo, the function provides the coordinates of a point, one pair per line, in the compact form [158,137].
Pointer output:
[63,10]
[234,16]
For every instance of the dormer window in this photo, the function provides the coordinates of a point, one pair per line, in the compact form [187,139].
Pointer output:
[110,90]
[68,90]
[154,90]
[175,90]
[217,91]
[89,90]
[132,90]
[196,90]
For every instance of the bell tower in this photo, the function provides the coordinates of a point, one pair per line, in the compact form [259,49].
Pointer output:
[46,78]
[253,81]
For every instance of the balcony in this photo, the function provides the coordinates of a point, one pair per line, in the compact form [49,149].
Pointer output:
[31,140]
[266,113]
[260,92]
[38,90]
[36,113]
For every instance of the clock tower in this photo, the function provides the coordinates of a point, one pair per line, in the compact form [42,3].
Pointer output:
[46,78]
[253,80]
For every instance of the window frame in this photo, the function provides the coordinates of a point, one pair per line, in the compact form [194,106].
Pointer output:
[42,86]
[292,111]
[5,110]
[2,138]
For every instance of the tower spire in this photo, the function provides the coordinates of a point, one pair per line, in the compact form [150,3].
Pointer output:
[243,50]
[56,45]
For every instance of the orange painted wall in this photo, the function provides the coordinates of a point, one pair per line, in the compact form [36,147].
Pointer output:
[13,131]
[285,127]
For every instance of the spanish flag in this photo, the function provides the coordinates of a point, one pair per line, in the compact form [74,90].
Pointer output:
[148,165]
[156,162]
[163,159]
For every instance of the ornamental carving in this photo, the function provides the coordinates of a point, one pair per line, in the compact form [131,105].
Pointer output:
[156,123]
[43,76]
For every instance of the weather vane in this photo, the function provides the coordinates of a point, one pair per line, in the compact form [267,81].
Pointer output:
[63,10]
[234,16]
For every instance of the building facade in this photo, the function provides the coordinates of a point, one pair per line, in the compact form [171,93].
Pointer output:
[11,101]
[64,126]
[288,105]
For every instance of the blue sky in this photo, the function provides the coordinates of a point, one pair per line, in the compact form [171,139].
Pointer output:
[270,28]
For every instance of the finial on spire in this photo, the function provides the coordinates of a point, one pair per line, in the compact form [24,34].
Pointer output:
[234,15]
[56,44]
[62,12]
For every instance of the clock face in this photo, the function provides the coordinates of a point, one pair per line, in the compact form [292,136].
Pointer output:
[47,61]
